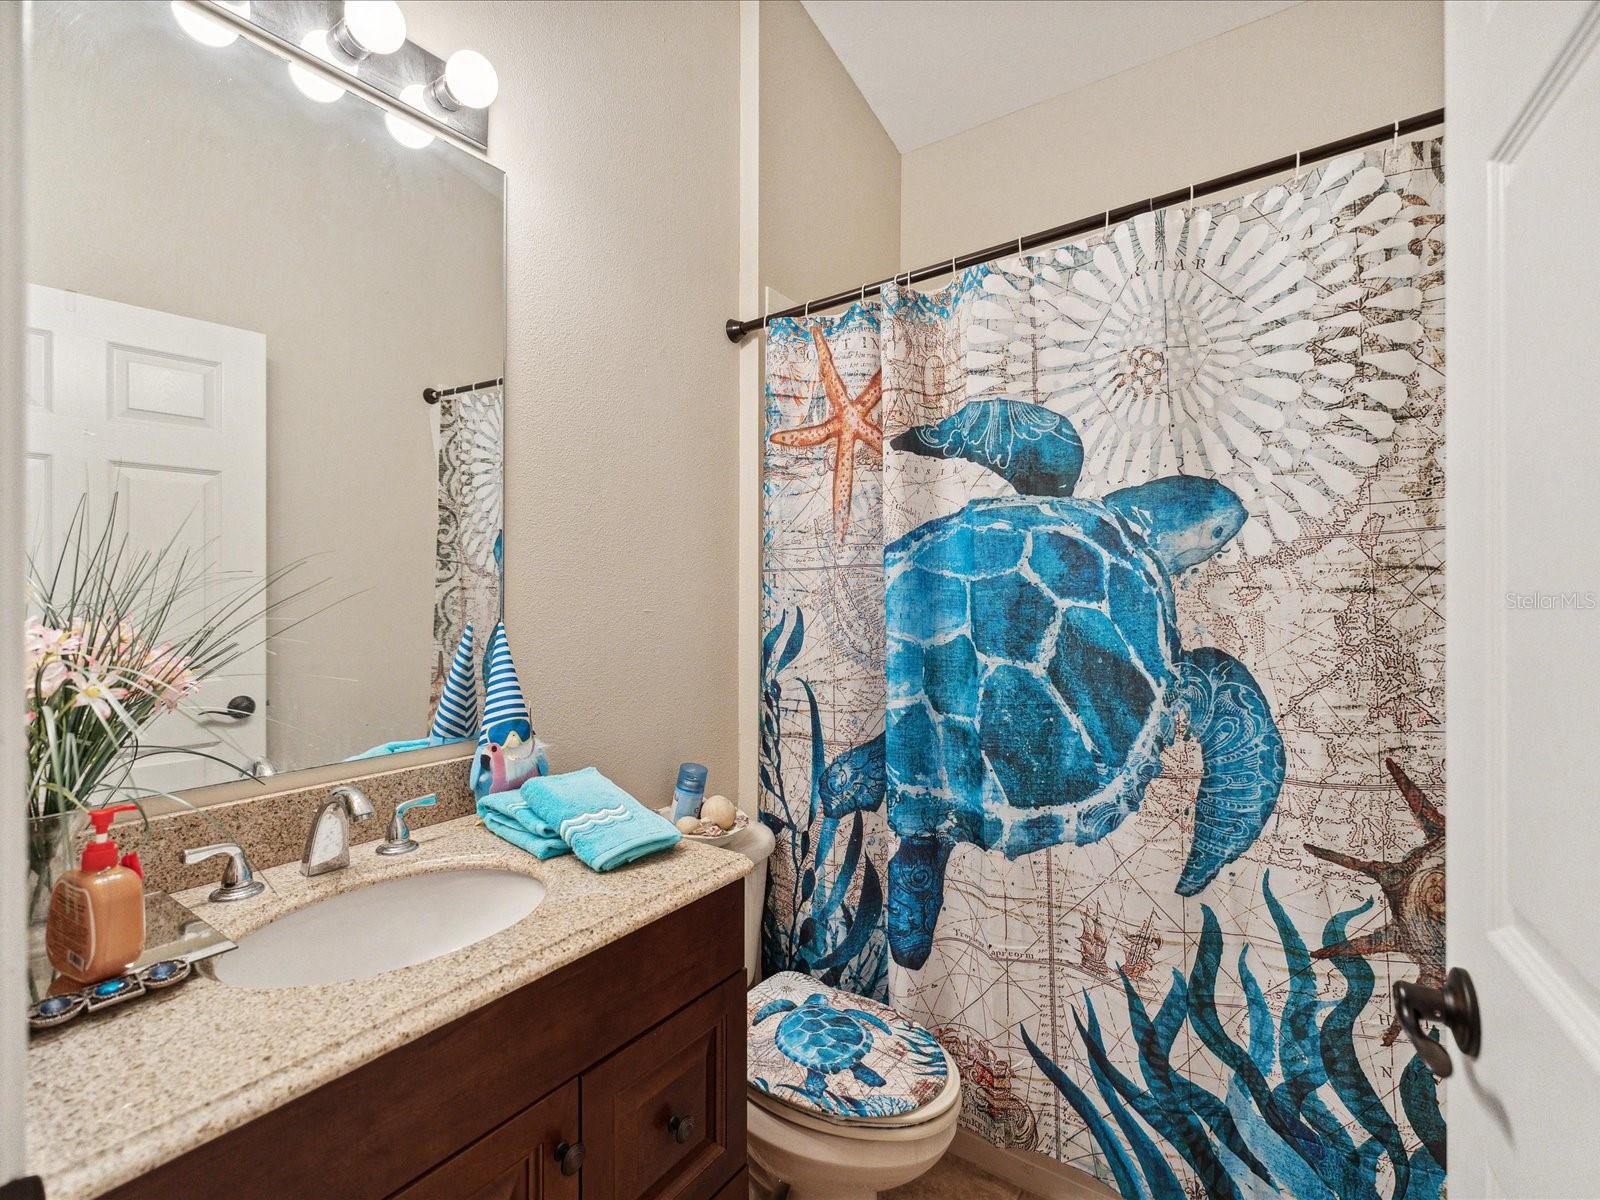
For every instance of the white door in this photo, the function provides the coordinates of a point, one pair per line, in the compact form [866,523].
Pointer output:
[1523,548]
[168,414]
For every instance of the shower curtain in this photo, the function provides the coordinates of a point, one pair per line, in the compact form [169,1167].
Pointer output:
[467,545]
[1103,681]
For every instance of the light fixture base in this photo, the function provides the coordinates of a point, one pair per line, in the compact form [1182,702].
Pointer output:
[288,21]
[345,43]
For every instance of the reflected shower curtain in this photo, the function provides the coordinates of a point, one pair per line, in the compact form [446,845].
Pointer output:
[467,546]
[1103,681]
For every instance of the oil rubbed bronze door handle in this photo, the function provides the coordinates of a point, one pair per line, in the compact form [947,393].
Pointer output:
[569,1157]
[239,708]
[1455,1006]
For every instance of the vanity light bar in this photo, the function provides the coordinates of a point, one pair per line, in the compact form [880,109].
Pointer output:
[416,86]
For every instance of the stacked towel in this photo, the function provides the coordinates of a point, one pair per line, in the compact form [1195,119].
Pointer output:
[506,815]
[582,811]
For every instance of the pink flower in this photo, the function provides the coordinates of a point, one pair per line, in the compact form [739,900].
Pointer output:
[49,678]
[44,641]
[95,694]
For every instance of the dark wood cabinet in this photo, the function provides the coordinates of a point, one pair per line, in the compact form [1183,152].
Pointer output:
[521,1160]
[659,1115]
[626,1067]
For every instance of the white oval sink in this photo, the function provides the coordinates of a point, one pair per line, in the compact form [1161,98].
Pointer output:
[382,927]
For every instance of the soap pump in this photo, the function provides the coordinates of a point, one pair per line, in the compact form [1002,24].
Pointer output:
[96,922]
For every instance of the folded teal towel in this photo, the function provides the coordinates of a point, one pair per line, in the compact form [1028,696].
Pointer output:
[402,746]
[506,814]
[604,825]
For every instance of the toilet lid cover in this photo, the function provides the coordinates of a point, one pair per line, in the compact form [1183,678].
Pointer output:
[838,1054]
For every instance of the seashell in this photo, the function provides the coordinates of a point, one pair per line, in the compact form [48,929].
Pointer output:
[689,824]
[719,811]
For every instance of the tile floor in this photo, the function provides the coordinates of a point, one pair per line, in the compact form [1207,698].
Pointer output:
[957,1179]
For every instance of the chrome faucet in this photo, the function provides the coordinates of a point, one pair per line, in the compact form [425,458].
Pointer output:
[328,842]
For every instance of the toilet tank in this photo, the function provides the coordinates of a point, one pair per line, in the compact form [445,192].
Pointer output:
[755,843]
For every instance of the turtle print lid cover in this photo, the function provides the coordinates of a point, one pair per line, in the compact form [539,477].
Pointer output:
[837,1054]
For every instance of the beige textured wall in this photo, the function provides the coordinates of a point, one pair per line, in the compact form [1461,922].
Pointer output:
[197,181]
[617,126]
[830,176]
[1298,78]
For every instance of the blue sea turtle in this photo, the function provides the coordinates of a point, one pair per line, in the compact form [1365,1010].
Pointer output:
[1035,672]
[825,1040]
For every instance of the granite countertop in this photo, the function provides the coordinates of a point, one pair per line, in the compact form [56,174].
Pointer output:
[111,1097]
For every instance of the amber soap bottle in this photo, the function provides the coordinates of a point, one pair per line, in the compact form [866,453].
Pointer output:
[96,922]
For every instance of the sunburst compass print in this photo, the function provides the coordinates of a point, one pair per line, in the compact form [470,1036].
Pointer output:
[1267,342]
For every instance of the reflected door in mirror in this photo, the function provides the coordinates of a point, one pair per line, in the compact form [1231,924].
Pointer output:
[167,415]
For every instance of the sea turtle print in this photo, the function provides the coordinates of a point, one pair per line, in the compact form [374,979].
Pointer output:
[1035,671]
[825,1040]
[893,1066]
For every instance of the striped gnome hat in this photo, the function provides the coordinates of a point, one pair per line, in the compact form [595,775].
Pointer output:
[457,714]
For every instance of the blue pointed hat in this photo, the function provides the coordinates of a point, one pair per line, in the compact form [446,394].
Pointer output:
[457,714]
[505,710]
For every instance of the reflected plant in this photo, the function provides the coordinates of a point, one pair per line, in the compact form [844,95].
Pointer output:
[1276,1132]
[116,639]
[825,936]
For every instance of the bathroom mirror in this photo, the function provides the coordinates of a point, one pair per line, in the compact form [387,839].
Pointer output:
[240,287]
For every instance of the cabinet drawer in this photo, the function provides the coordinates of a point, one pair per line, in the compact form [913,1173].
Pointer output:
[663,1118]
[517,1161]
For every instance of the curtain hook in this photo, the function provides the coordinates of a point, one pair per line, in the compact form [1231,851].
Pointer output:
[1297,162]
[1108,220]
[1191,195]
[806,316]
[952,266]
[1397,133]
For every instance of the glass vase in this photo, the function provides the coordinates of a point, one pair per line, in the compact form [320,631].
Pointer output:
[51,854]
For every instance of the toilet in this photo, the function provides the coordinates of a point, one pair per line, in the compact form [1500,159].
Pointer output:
[845,1097]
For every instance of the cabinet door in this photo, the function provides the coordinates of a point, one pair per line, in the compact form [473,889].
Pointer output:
[517,1161]
[664,1117]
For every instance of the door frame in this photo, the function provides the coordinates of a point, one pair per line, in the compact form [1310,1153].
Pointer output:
[13,761]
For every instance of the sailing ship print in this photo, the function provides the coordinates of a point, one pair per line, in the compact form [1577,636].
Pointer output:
[1142,945]
[1092,945]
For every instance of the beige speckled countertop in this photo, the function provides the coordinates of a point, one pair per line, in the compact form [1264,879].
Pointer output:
[111,1097]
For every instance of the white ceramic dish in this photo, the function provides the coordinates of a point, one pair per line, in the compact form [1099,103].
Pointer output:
[713,839]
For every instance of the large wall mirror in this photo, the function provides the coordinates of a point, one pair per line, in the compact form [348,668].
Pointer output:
[242,279]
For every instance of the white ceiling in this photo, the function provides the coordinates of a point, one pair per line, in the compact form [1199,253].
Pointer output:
[934,68]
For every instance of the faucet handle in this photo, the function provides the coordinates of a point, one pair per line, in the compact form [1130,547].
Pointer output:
[398,840]
[238,882]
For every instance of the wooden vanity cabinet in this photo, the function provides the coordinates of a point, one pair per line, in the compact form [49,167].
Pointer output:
[519,1161]
[618,1077]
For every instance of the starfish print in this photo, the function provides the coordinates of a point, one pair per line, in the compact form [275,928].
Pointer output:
[1414,888]
[849,422]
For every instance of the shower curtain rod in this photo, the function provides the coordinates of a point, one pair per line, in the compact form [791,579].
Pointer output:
[737,329]
[434,395]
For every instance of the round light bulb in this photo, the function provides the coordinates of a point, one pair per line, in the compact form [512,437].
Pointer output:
[378,26]
[471,79]
[407,132]
[310,84]
[206,29]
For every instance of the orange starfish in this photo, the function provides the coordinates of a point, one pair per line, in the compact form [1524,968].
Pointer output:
[849,421]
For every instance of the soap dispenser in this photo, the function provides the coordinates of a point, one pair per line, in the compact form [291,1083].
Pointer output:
[96,922]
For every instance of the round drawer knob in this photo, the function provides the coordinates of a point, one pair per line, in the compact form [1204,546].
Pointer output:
[569,1156]
[681,1128]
